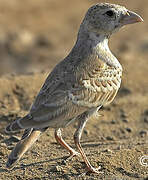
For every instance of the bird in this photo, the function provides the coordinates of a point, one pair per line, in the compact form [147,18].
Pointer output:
[88,78]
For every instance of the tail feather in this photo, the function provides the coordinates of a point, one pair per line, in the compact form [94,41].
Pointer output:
[28,138]
[17,124]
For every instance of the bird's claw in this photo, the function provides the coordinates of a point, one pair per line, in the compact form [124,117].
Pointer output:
[72,154]
[94,170]
[91,170]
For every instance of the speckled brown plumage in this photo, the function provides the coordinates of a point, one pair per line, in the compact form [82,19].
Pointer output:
[88,78]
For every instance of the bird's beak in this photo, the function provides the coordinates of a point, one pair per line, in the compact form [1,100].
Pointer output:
[130,18]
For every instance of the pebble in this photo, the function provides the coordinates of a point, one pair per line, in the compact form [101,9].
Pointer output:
[109,138]
[108,151]
[119,147]
[125,120]
[86,131]
[145,116]
[146,112]
[143,133]
[146,119]
[123,116]
[113,122]
[124,91]
[42,41]
[128,129]
[122,131]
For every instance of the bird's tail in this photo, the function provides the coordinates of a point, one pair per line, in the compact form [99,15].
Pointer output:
[28,138]
[18,124]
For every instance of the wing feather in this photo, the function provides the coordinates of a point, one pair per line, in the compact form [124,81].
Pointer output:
[99,89]
[58,103]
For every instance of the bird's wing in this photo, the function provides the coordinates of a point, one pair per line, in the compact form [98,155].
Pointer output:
[58,103]
[57,111]
[52,106]
[99,89]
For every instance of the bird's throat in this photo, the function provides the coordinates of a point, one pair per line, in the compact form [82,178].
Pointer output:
[90,44]
[101,48]
[104,54]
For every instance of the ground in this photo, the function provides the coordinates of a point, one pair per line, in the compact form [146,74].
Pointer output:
[34,36]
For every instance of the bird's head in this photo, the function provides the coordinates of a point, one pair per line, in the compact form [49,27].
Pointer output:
[105,18]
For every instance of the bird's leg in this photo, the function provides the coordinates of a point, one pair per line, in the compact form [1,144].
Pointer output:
[60,140]
[77,136]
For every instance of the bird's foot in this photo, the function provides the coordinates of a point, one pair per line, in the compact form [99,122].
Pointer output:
[73,153]
[91,169]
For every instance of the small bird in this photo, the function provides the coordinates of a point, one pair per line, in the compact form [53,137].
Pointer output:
[88,78]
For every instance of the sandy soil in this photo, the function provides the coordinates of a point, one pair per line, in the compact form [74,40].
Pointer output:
[34,36]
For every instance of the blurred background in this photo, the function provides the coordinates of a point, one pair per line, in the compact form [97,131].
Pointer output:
[37,34]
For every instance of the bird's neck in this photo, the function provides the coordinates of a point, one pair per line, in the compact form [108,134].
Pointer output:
[96,44]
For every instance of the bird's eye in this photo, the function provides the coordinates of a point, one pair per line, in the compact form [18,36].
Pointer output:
[110,13]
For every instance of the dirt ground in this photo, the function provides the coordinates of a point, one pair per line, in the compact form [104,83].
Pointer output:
[34,36]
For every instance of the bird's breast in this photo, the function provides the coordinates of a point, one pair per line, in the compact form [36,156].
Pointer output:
[99,89]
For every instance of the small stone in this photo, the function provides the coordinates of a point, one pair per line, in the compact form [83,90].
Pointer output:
[42,41]
[108,151]
[143,133]
[123,114]
[119,147]
[124,92]
[125,120]
[146,119]
[109,138]
[128,129]
[122,131]
[86,131]
[146,112]
[113,122]
[64,162]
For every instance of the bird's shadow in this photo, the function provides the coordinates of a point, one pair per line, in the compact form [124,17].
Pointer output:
[52,167]
[23,166]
